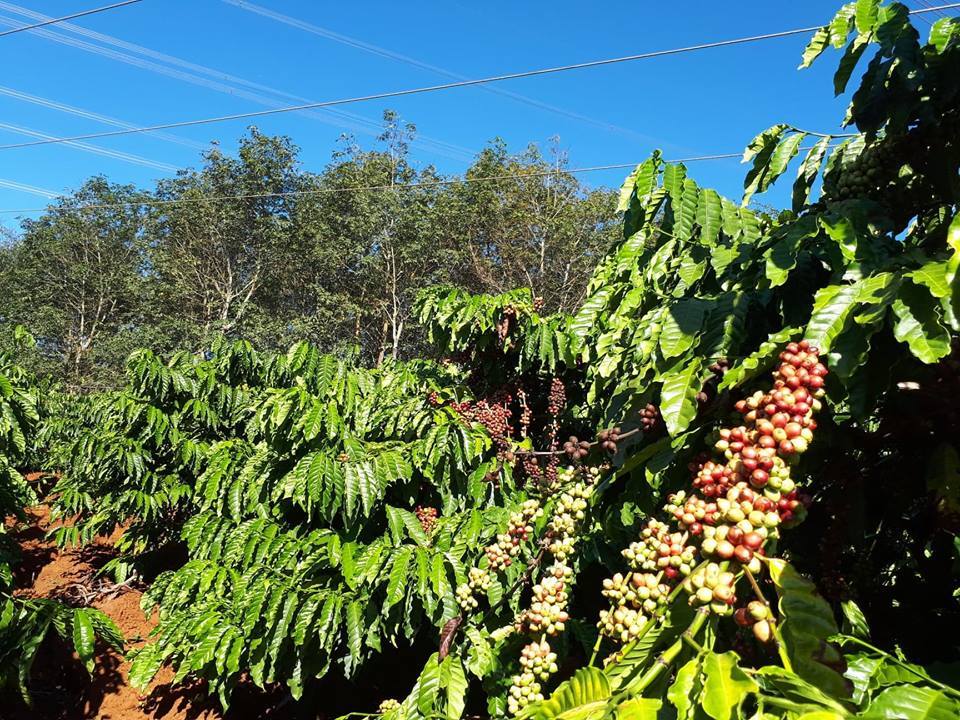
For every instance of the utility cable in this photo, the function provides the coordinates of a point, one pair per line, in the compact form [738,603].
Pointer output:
[444,86]
[54,21]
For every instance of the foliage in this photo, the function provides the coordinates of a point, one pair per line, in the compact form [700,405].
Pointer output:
[99,273]
[334,516]
[24,623]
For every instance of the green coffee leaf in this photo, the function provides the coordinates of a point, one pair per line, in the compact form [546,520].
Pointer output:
[725,687]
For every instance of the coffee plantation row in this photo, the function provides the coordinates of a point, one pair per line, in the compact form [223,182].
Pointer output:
[727,486]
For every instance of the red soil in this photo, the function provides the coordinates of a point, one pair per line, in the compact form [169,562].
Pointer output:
[60,686]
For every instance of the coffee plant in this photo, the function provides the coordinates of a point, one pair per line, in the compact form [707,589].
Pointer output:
[682,319]
[25,622]
[131,457]
[684,500]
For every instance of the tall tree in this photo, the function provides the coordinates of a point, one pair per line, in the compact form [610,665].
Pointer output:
[524,221]
[383,213]
[75,279]
[214,259]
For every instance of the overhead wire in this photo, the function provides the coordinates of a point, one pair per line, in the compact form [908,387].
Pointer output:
[182,70]
[89,115]
[929,5]
[96,150]
[444,86]
[419,64]
[33,189]
[65,18]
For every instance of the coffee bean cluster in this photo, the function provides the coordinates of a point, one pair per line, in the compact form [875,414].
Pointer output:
[537,662]
[711,585]
[608,439]
[740,498]
[660,550]
[427,517]
[519,529]
[650,419]
[557,397]
[757,616]
[388,705]
[575,448]
[634,598]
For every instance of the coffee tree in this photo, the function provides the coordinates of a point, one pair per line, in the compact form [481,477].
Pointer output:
[725,486]
[25,622]
[681,322]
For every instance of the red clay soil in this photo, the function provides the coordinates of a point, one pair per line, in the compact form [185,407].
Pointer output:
[60,687]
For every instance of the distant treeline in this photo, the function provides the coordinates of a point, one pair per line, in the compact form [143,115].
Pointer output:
[334,257]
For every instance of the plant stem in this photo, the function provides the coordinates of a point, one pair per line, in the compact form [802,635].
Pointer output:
[667,657]
[539,453]
[596,649]
[756,587]
[823,135]
[688,638]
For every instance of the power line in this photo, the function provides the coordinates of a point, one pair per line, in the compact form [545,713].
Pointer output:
[23,187]
[219,81]
[413,62]
[929,5]
[53,21]
[96,150]
[80,112]
[363,188]
[444,86]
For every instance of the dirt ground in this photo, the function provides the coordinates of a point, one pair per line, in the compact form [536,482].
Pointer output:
[60,686]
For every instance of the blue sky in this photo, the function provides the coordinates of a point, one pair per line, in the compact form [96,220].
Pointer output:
[167,60]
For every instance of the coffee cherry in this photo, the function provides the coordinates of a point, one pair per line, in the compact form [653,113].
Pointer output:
[427,517]
[388,705]
[758,610]
[763,631]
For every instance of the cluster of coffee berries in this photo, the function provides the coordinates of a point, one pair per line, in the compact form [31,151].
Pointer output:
[519,529]
[709,390]
[478,581]
[713,479]
[466,598]
[548,611]
[433,398]
[388,705]
[691,512]
[739,500]
[650,419]
[569,512]
[537,663]
[640,591]
[756,616]
[557,398]
[634,598]
[882,171]
[427,517]
[745,520]
[660,550]
[575,448]
[493,415]
[608,439]
[711,585]
[718,368]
